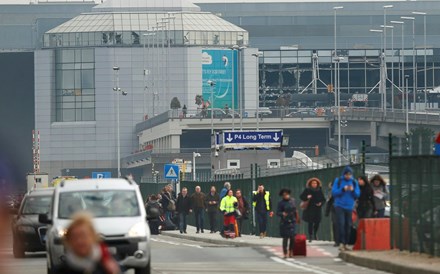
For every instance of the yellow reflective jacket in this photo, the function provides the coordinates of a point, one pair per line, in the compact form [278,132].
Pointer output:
[266,198]
[227,204]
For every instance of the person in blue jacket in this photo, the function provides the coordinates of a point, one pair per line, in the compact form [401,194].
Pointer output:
[345,192]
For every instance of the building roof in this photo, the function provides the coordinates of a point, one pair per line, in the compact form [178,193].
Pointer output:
[147,5]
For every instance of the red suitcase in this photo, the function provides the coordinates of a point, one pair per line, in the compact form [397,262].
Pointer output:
[300,248]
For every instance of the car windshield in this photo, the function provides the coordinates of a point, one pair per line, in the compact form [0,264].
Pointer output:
[36,205]
[101,204]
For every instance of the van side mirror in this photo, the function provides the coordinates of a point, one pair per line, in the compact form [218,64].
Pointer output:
[44,219]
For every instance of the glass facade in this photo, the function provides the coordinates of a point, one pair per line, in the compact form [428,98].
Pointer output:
[75,85]
[291,72]
[131,29]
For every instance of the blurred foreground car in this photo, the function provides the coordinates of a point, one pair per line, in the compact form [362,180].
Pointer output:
[118,215]
[27,232]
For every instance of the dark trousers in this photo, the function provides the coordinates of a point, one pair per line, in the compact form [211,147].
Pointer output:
[212,221]
[182,222]
[364,211]
[154,226]
[291,245]
[344,224]
[199,215]
[313,229]
[380,213]
[335,227]
[262,221]
[240,225]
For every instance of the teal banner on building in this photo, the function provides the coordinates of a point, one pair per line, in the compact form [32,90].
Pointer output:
[220,67]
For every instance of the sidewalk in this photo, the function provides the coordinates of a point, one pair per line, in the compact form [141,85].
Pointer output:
[394,261]
[244,241]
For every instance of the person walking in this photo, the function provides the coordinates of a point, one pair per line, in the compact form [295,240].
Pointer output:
[183,207]
[313,199]
[330,212]
[168,202]
[198,206]
[365,206]
[85,252]
[345,191]
[212,204]
[243,208]
[286,210]
[184,111]
[227,206]
[380,193]
[263,205]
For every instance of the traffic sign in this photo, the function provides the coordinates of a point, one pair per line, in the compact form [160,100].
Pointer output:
[171,171]
[253,138]
[101,175]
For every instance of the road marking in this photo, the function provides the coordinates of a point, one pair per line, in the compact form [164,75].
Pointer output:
[304,266]
[174,243]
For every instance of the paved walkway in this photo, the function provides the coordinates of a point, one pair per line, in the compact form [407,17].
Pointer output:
[394,261]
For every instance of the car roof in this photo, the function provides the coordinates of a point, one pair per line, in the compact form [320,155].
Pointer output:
[47,191]
[94,184]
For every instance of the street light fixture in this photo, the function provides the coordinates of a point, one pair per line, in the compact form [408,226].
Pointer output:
[424,55]
[413,19]
[195,155]
[257,98]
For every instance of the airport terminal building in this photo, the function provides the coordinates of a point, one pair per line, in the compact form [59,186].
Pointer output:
[163,49]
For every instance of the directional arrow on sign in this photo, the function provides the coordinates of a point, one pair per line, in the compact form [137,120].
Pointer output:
[229,138]
[276,138]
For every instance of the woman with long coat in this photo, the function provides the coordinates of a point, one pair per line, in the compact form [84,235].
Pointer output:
[286,210]
[314,198]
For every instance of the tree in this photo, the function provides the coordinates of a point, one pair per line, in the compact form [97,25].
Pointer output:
[175,103]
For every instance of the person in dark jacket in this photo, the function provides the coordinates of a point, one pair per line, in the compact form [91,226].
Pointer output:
[365,207]
[345,190]
[263,207]
[212,201]
[85,253]
[243,208]
[313,195]
[183,208]
[168,202]
[286,210]
[198,206]
[154,211]
[380,194]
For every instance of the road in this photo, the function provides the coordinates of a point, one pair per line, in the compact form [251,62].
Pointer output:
[171,255]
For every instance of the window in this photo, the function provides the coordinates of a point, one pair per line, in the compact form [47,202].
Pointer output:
[75,85]
[233,163]
[273,163]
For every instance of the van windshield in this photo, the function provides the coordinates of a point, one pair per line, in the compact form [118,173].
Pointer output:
[101,204]
[36,205]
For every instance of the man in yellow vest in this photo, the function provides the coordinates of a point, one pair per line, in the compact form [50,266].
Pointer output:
[263,207]
[228,205]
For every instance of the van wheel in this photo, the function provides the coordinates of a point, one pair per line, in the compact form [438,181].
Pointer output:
[17,250]
[145,270]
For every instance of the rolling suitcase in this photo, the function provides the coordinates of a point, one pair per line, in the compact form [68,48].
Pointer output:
[229,234]
[300,248]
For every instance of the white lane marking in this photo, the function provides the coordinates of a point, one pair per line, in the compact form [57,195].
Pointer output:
[174,243]
[337,260]
[297,266]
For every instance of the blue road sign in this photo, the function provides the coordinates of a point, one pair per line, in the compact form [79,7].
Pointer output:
[101,175]
[265,138]
[171,171]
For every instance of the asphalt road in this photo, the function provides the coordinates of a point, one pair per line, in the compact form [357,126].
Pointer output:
[171,255]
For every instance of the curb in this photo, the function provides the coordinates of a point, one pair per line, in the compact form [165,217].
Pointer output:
[233,242]
[383,265]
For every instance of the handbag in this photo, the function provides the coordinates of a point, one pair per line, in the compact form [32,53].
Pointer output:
[238,214]
[304,204]
[171,205]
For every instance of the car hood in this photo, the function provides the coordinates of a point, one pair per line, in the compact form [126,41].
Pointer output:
[29,220]
[110,226]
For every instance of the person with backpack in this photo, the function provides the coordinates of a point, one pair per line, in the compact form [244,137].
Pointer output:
[312,200]
[286,210]
[154,211]
[380,193]
[168,202]
[345,192]
[365,207]
[183,207]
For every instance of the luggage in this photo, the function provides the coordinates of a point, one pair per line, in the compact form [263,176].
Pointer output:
[168,225]
[229,234]
[300,248]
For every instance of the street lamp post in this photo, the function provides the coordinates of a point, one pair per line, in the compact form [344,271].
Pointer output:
[407,108]
[424,57]
[146,71]
[413,19]
[336,82]
[118,90]
[392,63]
[402,56]
[384,95]
[257,96]
[233,48]
[212,85]
[195,155]
[382,81]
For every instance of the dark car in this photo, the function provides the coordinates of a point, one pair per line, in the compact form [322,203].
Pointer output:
[28,233]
